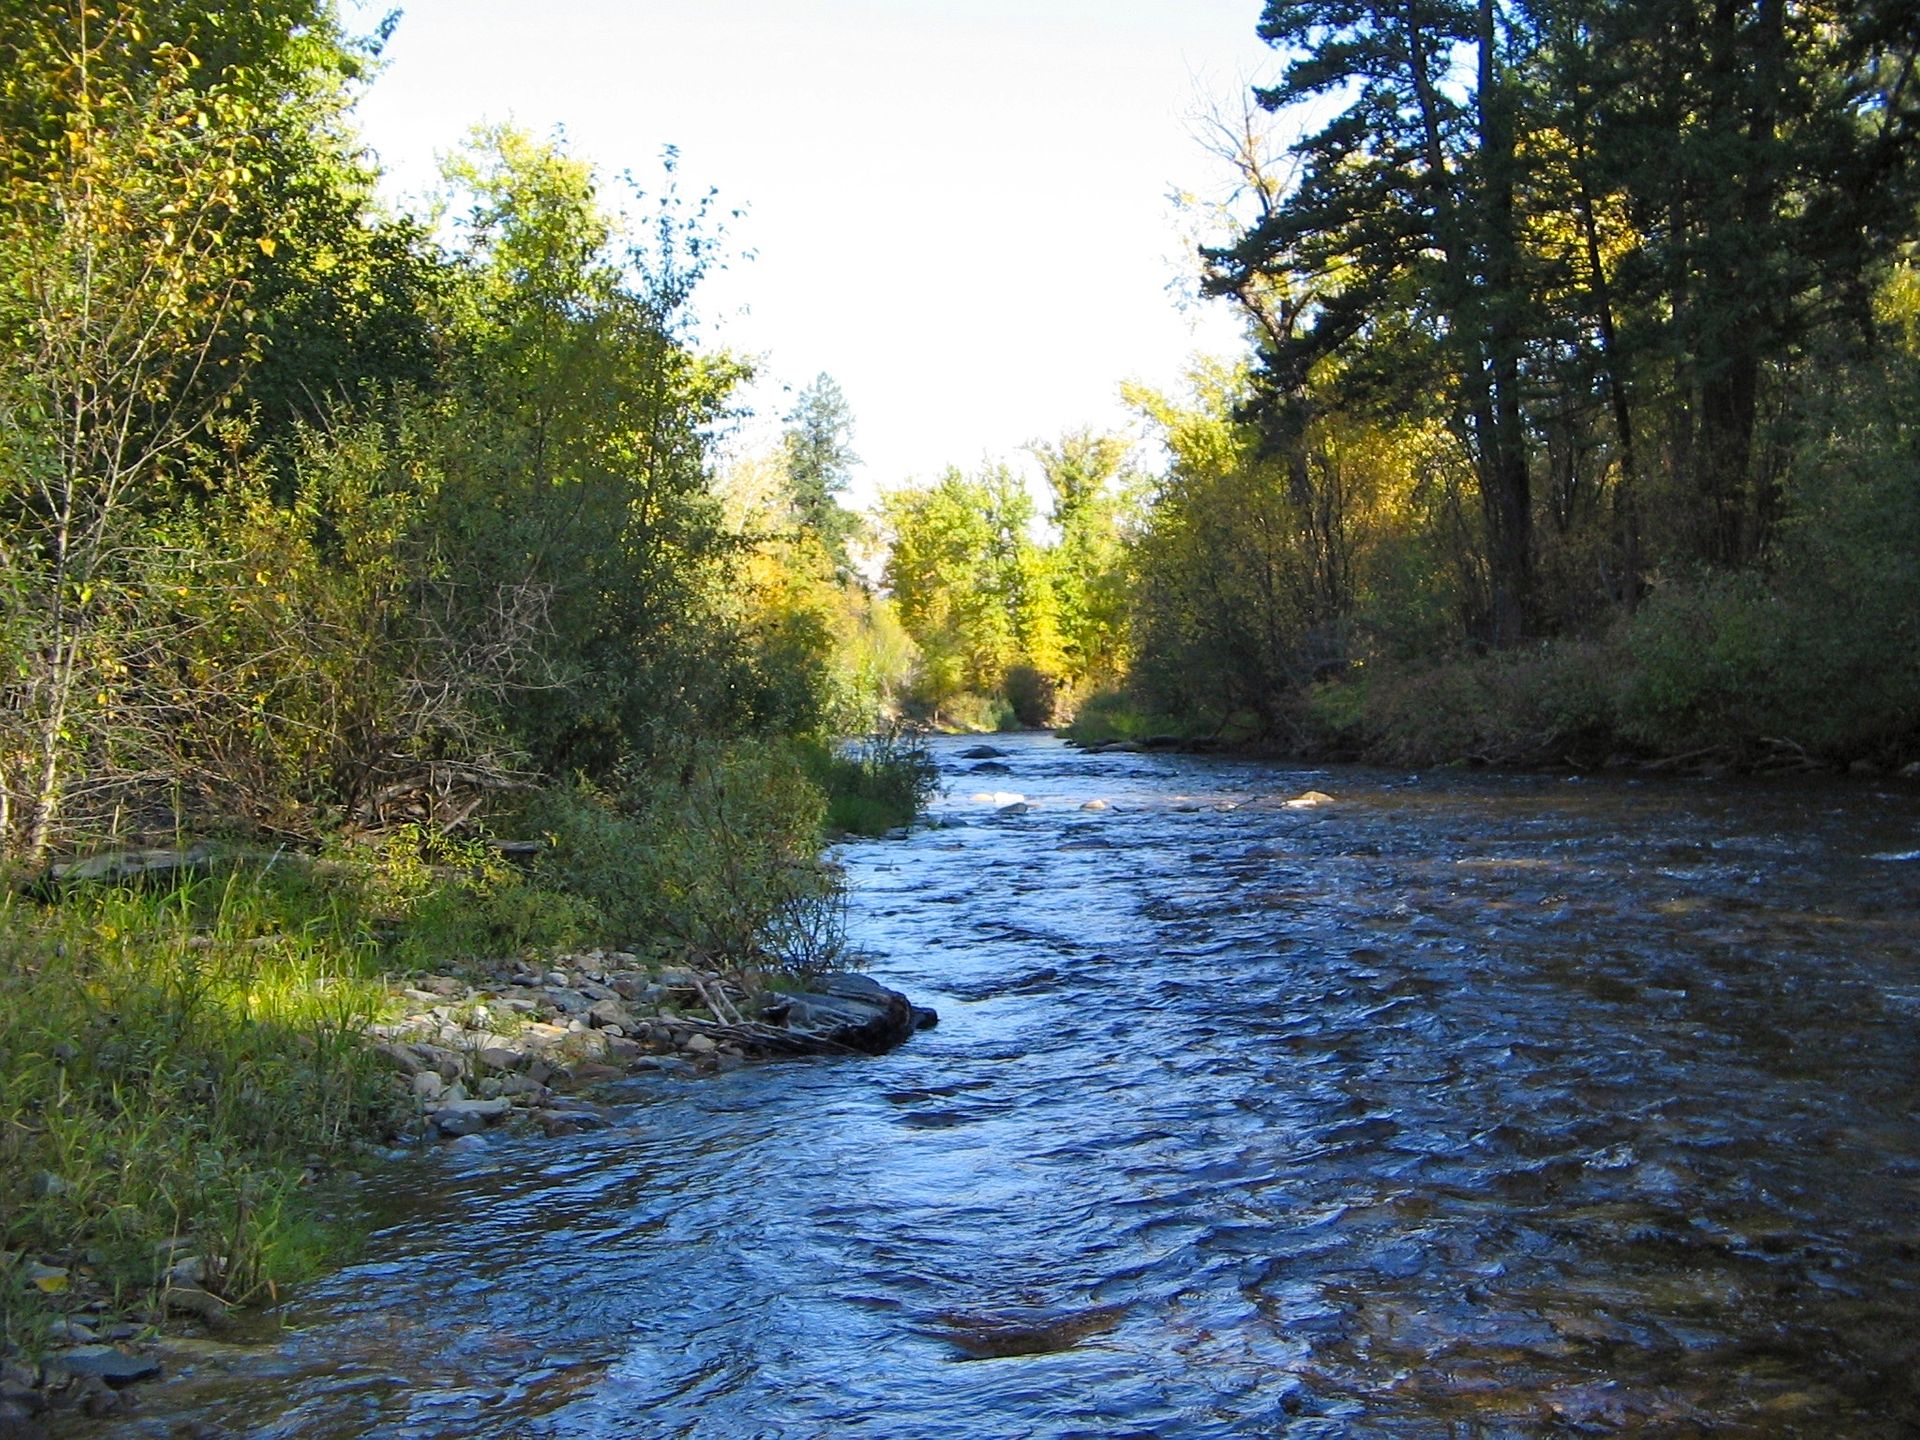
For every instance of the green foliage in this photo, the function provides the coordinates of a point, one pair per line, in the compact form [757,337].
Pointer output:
[873,785]
[716,854]
[169,1063]
[730,861]
[1092,489]
[818,449]
[446,901]
[1116,715]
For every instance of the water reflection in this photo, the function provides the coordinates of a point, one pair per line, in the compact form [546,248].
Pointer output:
[1483,1106]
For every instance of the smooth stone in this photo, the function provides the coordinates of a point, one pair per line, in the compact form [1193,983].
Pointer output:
[1094,805]
[698,1044]
[469,1142]
[107,1363]
[428,1085]
[1309,799]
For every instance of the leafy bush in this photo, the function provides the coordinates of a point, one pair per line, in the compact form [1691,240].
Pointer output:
[451,900]
[730,858]
[873,785]
[974,714]
[717,854]
[1117,715]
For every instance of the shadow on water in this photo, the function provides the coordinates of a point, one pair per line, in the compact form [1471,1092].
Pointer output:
[1464,1106]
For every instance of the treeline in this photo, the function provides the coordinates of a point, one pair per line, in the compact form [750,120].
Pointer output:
[1582,414]
[314,522]
[1010,626]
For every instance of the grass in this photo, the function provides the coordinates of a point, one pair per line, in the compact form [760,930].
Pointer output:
[175,1068]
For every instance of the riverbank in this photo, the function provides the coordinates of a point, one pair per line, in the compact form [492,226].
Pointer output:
[200,1051]
[1627,705]
[454,1057]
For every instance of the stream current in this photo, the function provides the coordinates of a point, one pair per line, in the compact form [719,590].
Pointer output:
[1461,1105]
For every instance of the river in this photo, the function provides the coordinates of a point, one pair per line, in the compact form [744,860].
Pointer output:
[1456,1105]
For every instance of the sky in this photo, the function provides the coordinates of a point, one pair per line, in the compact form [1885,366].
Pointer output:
[959,209]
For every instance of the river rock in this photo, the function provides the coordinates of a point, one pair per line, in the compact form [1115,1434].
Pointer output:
[982,752]
[1309,800]
[107,1363]
[698,1044]
[464,1117]
[611,1014]
[851,1012]
[428,1085]
[1094,805]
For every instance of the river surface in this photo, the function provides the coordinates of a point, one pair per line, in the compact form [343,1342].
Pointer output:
[1461,1105]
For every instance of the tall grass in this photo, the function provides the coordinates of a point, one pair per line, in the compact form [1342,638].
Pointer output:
[173,1063]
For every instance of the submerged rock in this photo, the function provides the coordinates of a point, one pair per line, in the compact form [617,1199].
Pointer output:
[1310,800]
[998,1334]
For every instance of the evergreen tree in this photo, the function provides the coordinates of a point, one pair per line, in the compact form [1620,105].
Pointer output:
[819,451]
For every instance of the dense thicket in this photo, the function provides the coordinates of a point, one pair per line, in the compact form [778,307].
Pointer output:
[312,525]
[1582,370]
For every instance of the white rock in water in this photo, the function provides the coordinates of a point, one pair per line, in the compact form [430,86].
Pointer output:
[1094,805]
[1310,799]
[999,799]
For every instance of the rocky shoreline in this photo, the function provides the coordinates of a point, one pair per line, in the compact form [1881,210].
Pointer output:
[511,1048]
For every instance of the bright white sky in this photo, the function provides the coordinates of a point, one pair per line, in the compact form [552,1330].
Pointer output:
[957,208]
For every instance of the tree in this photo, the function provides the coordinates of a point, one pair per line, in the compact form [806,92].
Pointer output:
[1406,208]
[968,582]
[1089,480]
[119,274]
[577,457]
[818,443]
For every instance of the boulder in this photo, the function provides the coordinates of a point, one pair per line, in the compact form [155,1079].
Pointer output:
[982,752]
[852,1012]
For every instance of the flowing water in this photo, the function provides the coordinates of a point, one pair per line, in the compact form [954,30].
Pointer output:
[1458,1106]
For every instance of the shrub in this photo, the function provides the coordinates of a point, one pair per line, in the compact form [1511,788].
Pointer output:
[872,785]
